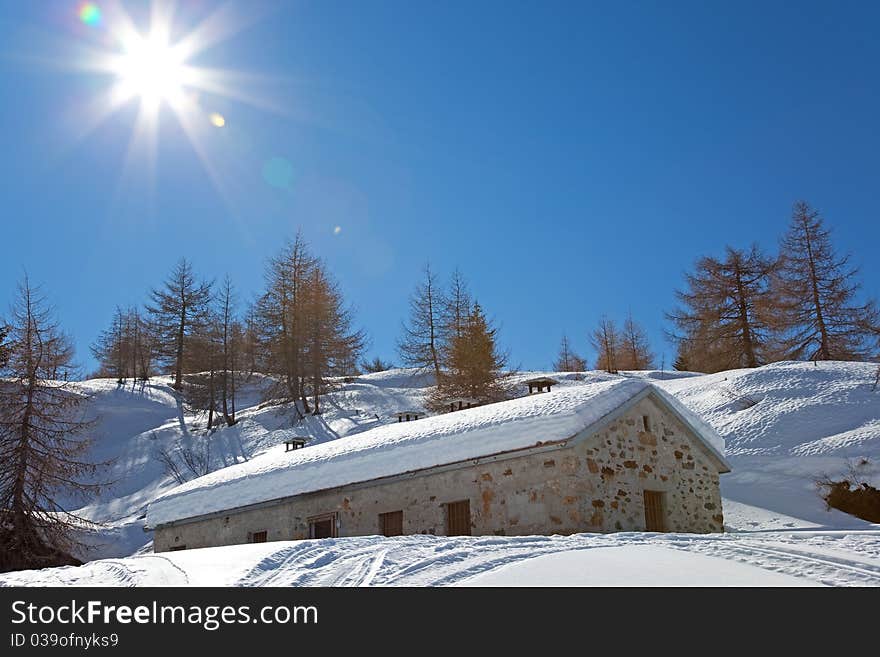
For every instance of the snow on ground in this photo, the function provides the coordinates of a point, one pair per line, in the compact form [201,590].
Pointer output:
[785,425]
[624,559]
[644,565]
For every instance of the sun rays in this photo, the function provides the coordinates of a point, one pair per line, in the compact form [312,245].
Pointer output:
[152,66]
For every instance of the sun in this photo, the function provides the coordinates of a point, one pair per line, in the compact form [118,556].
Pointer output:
[158,64]
[151,69]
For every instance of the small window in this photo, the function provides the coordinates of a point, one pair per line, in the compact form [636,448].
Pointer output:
[323,526]
[391,523]
[655,511]
[458,518]
[177,548]
[646,421]
[259,537]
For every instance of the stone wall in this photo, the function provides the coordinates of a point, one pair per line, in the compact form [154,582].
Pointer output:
[592,485]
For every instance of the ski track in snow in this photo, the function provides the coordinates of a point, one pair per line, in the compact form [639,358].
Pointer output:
[825,558]
[828,558]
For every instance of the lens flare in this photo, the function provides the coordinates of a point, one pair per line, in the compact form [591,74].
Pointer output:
[278,172]
[90,13]
[150,63]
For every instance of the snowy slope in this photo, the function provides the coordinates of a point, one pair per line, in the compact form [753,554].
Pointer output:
[625,559]
[790,408]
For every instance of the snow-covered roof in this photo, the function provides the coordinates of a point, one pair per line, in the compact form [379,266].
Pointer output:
[409,446]
[541,379]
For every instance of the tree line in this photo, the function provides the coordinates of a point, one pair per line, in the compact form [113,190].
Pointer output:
[750,308]
[298,331]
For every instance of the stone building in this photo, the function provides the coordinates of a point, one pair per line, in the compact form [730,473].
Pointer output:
[604,456]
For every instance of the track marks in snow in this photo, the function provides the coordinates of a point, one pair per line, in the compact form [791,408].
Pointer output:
[441,561]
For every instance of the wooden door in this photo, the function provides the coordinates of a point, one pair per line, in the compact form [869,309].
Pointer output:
[391,523]
[655,515]
[323,526]
[458,518]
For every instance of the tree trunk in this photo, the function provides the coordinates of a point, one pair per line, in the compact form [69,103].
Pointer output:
[181,329]
[824,346]
[211,400]
[744,323]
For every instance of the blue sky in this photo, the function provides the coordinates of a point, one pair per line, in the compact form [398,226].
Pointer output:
[572,159]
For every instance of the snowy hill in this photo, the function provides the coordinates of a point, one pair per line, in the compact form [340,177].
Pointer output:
[785,425]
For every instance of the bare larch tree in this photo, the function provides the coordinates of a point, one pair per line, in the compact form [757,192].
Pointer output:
[376,365]
[723,320]
[635,351]
[420,343]
[110,349]
[43,441]
[331,341]
[568,360]
[816,292]
[605,339]
[279,316]
[230,339]
[178,309]
[456,309]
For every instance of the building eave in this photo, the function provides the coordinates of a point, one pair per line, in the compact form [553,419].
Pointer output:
[369,483]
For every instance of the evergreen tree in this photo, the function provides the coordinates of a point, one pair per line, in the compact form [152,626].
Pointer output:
[178,310]
[475,368]
[635,352]
[815,292]
[43,447]
[568,360]
[724,317]
[420,344]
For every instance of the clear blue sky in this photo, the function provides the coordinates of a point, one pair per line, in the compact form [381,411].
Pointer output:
[573,159]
